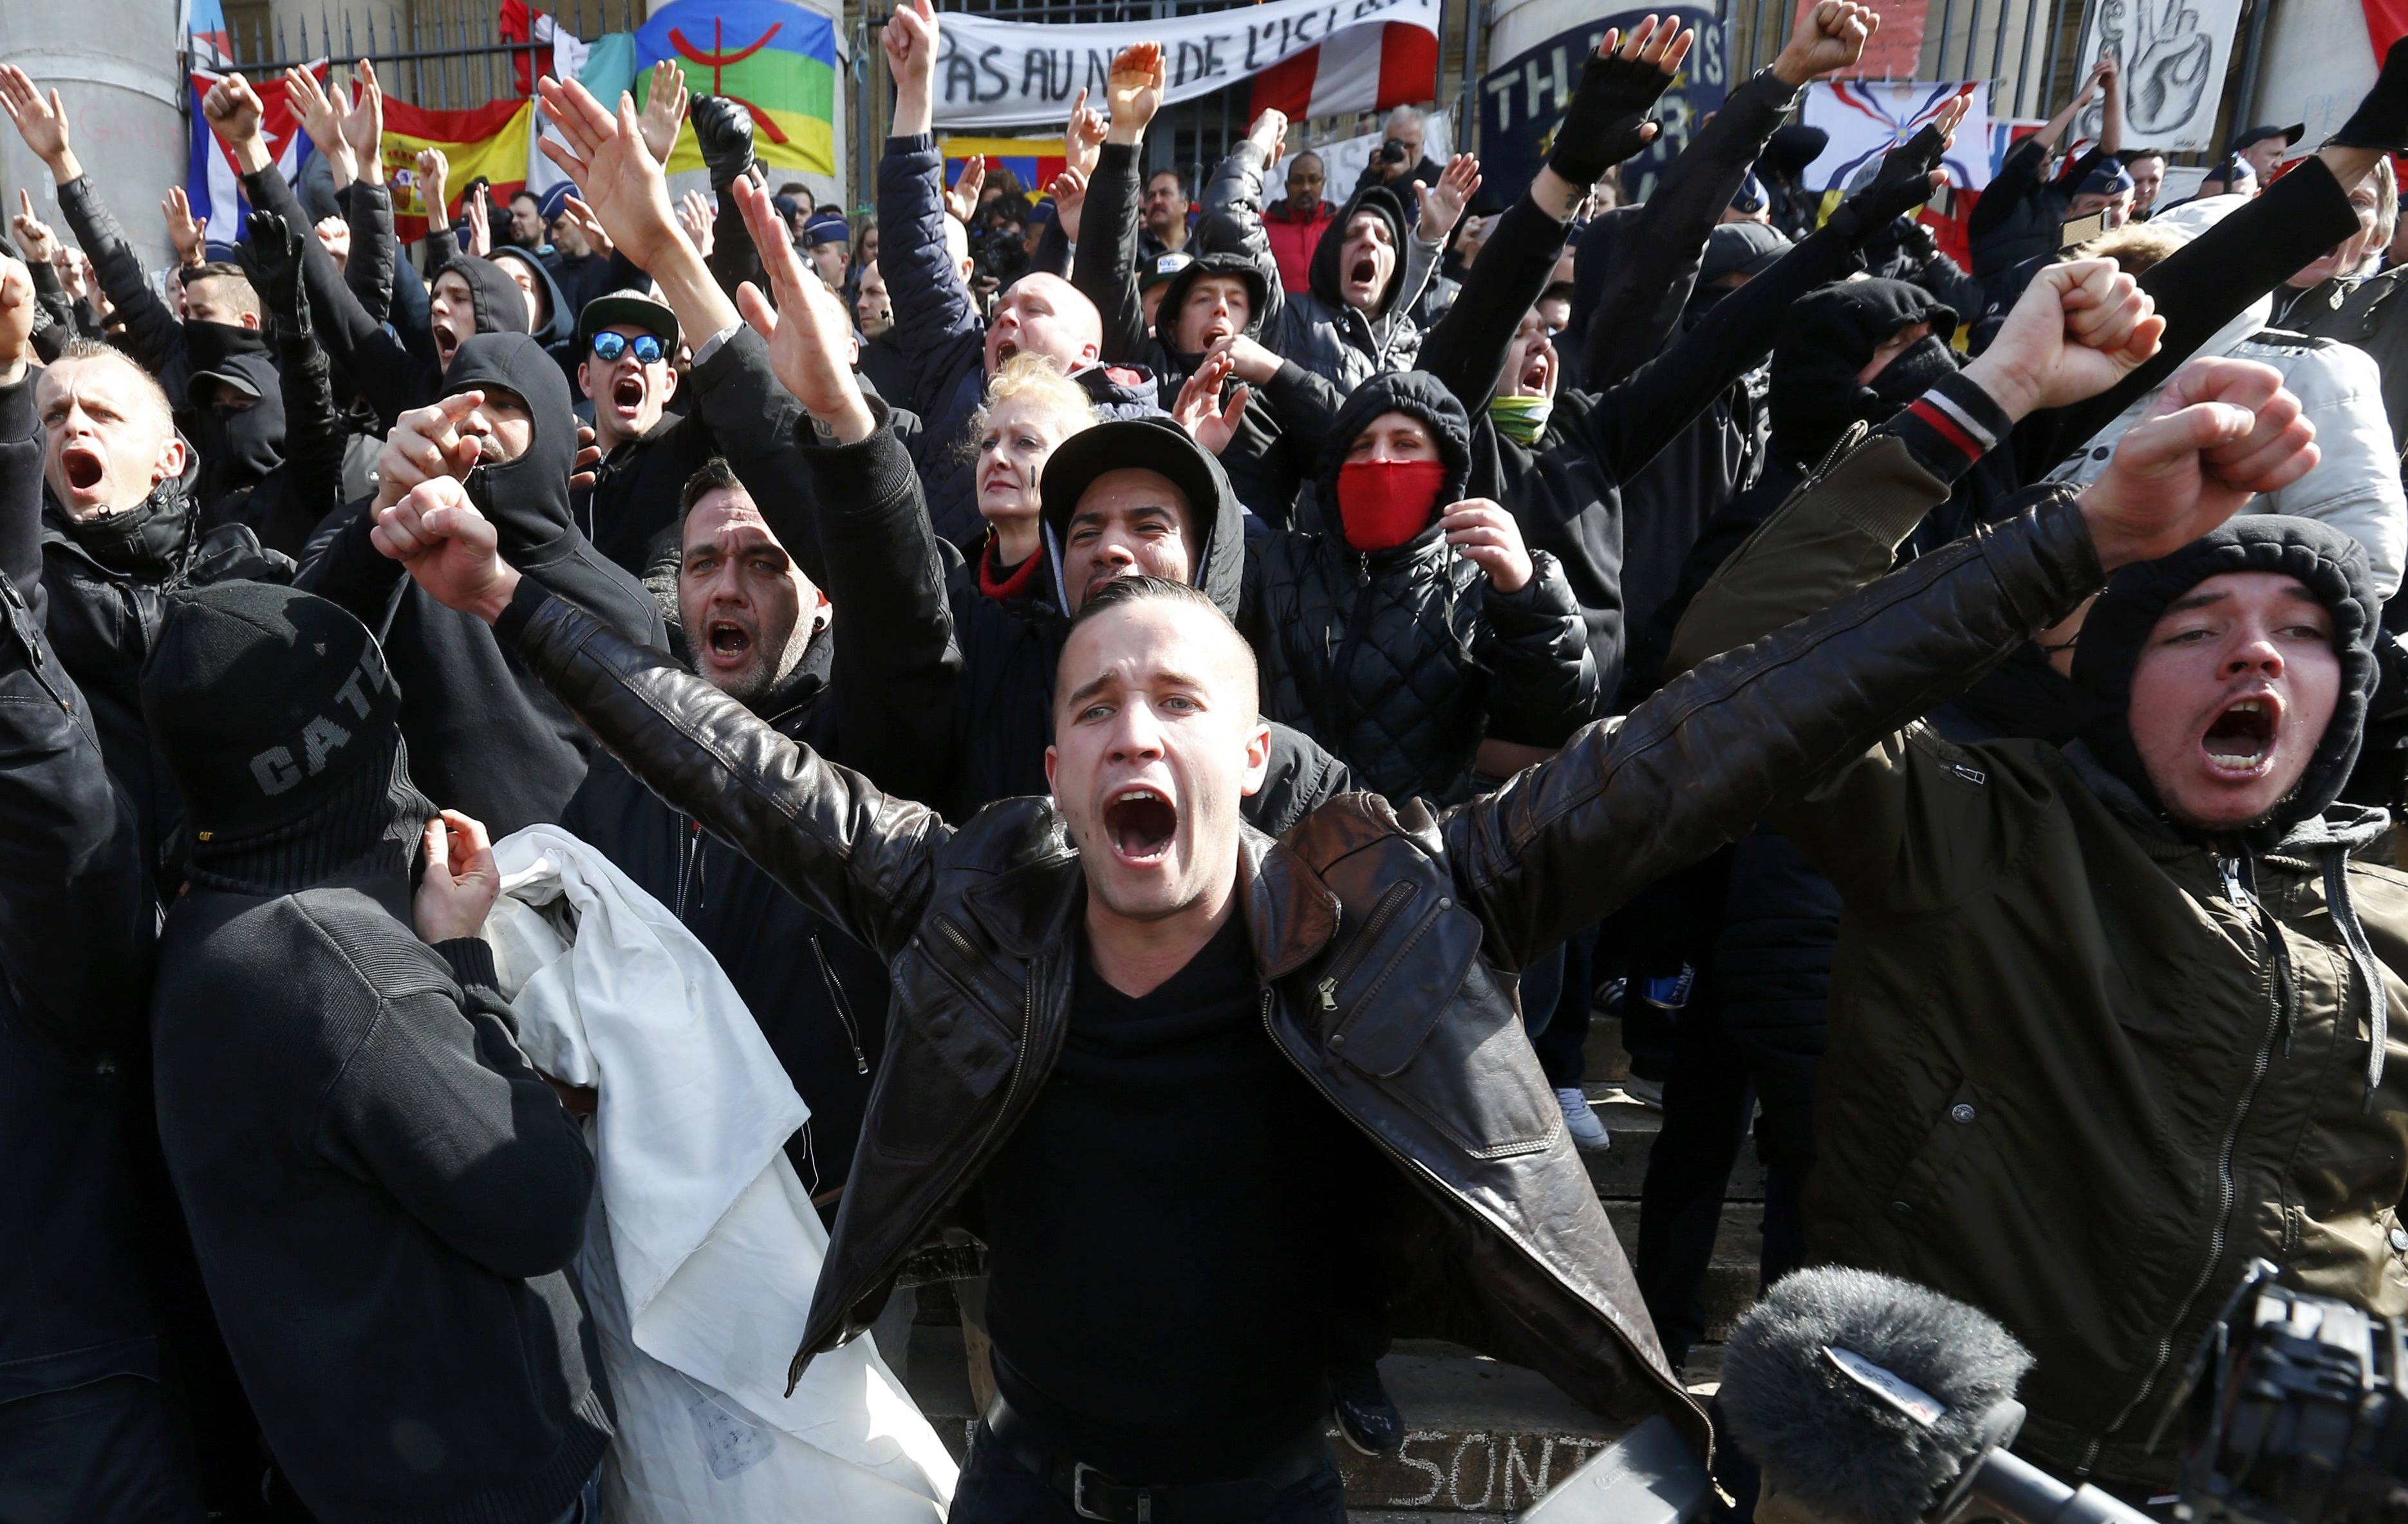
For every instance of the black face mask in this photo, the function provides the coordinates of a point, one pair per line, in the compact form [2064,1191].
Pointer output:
[1918,368]
[208,346]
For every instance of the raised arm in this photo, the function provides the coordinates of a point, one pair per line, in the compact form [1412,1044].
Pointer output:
[1617,90]
[310,480]
[72,873]
[1104,266]
[507,1180]
[152,334]
[1635,420]
[1656,268]
[2076,330]
[1232,223]
[831,837]
[1697,764]
[935,324]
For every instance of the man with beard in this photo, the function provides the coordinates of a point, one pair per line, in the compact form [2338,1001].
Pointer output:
[1163,216]
[759,630]
[1131,1033]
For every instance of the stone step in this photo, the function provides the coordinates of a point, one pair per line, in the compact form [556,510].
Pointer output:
[1483,1439]
[1732,1276]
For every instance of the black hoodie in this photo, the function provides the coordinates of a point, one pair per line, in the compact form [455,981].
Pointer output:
[557,332]
[1400,661]
[1280,435]
[486,737]
[238,445]
[1315,328]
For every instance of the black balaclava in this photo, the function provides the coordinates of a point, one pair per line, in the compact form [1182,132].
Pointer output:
[527,498]
[1828,336]
[275,713]
[1382,202]
[208,346]
[2332,567]
[238,447]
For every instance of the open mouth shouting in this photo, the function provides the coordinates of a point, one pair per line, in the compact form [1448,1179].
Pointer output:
[627,397]
[446,343]
[1142,823]
[85,468]
[1004,350]
[2240,741]
[727,644]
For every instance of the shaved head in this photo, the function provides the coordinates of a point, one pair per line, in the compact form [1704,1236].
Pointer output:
[1044,314]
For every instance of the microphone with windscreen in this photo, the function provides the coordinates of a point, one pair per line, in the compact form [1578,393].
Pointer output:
[1870,1399]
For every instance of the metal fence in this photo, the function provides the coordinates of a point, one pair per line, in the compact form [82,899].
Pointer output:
[444,55]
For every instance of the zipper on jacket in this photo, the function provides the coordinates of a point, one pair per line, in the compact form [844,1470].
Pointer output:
[2225,1184]
[843,1007]
[1383,910]
[1414,1166]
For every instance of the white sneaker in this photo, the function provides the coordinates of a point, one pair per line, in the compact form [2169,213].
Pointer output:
[1588,1134]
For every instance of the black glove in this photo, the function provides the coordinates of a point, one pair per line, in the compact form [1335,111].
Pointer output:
[1902,183]
[1601,128]
[273,258]
[2381,120]
[722,130]
[1915,239]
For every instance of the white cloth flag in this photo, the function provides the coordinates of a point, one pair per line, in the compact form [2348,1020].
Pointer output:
[1867,117]
[704,1249]
[1006,73]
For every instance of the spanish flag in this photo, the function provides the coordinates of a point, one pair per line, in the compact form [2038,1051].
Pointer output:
[490,140]
[775,59]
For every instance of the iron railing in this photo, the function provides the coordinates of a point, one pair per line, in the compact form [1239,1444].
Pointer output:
[447,55]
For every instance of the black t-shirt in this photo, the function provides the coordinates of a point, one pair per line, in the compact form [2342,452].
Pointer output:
[1165,1228]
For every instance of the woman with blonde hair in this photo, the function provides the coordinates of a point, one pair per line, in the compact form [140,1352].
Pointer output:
[1030,408]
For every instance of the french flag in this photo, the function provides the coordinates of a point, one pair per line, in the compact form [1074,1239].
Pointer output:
[210,183]
[1362,68]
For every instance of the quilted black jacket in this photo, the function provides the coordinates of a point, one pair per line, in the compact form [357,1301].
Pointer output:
[1400,661]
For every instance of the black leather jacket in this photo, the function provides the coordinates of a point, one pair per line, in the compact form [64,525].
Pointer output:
[1388,942]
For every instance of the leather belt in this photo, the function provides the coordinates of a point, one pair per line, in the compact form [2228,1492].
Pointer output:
[1094,1495]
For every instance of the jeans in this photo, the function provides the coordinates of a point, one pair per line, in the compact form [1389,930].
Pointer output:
[994,1489]
[587,1509]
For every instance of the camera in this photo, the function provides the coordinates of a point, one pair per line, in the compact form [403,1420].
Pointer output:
[1393,153]
[2296,1411]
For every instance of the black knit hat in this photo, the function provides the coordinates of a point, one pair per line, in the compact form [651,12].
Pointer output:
[2327,563]
[266,703]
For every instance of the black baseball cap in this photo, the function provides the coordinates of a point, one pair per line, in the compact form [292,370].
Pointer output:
[2248,136]
[633,307]
[1136,444]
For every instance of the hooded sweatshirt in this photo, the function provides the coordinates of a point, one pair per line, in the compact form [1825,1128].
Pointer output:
[487,738]
[1279,439]
[557,332]
[238,446]
[1315,328]
[383,1194]
[1402,660]
[2086,1064]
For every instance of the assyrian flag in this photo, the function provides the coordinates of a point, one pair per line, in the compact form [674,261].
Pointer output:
[1362,68]
[210,183]
[1867,117]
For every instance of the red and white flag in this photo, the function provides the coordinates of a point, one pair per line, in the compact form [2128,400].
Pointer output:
[1363,68]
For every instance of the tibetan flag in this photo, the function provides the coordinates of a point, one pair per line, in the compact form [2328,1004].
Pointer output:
[1033,161]
[778,60]
[1362,68]
[211,183]
[489,140]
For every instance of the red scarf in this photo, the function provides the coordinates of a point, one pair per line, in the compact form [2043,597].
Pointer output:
[1383,503]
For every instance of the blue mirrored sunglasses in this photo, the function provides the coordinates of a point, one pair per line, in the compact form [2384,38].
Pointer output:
[609,346]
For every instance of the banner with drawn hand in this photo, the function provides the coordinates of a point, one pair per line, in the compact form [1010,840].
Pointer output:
[2174,55]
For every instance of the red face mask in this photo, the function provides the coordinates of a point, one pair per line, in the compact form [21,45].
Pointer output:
[1383,503]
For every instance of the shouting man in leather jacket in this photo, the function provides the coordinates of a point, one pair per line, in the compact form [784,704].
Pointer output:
[1083,983]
